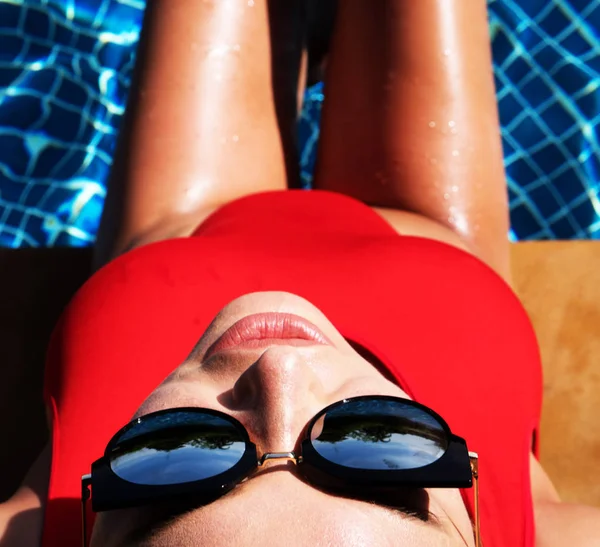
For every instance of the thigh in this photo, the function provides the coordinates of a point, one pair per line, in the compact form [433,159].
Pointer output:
[410,118]
[205,120]
[413,224]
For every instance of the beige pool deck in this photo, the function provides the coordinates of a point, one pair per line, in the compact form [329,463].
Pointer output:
[558,282]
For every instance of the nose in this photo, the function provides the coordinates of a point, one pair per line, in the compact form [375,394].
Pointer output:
[278,395]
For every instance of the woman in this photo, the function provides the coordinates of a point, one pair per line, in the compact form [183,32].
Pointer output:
[294,301]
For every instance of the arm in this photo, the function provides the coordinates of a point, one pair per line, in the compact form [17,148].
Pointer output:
[22,516]
[560,524]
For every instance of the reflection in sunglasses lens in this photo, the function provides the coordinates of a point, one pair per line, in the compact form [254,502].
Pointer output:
[177,447]
[379,435]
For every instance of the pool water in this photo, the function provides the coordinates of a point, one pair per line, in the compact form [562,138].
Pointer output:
[65,69]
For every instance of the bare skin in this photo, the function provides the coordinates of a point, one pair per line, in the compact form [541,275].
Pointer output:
[204,127]
[274,392]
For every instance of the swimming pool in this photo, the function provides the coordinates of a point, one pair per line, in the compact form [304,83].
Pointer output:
[65,68]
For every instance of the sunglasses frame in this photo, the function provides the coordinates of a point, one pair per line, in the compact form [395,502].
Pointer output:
[456,468]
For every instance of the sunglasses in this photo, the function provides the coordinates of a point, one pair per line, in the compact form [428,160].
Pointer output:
[361,444]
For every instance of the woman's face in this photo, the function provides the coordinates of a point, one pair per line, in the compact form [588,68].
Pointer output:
[274,387]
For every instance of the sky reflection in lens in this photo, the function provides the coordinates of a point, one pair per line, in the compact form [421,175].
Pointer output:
[380,435]
[175,449]
[400,452]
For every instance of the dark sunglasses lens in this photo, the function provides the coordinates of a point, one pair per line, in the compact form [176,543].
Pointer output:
[379,435]
[177,447]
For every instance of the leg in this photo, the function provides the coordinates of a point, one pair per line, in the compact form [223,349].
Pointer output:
[410,119]
[202,125]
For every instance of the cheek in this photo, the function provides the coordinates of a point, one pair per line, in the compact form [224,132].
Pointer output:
[173,394]
[448,504]
[110,528]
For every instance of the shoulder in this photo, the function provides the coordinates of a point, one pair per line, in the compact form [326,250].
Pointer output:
[22,516]
[558,523]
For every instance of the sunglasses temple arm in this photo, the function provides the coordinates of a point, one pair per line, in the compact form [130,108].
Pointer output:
[474,459]
[86,481]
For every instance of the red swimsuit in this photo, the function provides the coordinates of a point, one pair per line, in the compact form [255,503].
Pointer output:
[448,328]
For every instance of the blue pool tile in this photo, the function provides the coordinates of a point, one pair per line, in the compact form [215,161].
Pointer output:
[501,47]
[85,43]
[593,16]
[555,21]
[562,229]
[37,22]
[42,81]
[523,217]
[536,92]
[35,193]
[576,44]
[532,7]
[568,186]
[63,35]
[571,79]
[63,123]
[11,48]
[549,158]
[72,93]
[517,70]
[545,201]
[558,119]
[13,147]
[546,72]
[8,76]
[9,17]
[37,51]
[110,55]
[509,108]
[23,112]
[589,103]
[529,133]
[585,213]
[523,171]
[47,160]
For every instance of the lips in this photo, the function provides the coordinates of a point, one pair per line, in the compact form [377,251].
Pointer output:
[262,330]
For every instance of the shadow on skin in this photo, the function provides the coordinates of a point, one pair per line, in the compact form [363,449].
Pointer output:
[21,531]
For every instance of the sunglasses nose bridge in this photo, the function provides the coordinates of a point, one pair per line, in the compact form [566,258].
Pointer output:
[279,456]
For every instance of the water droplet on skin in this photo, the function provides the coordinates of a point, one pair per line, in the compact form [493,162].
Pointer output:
[446,196]
[455,153]
[454,131]
[451,123]
[250,3]
[235,138]
[454,188]
[433,161]
[447,52]
[432,124]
